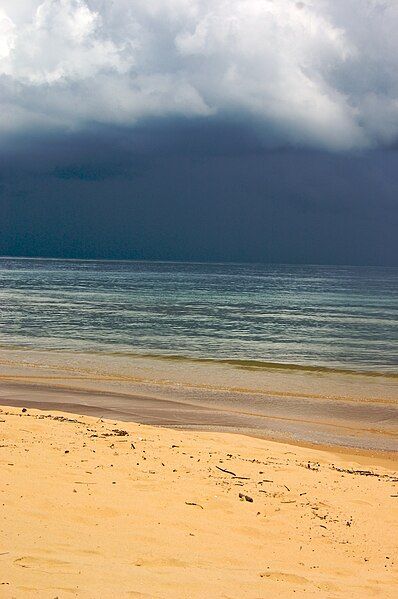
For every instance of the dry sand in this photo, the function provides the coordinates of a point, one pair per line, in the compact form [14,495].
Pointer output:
[96,508]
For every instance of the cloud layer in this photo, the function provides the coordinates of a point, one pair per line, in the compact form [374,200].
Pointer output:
[320,73]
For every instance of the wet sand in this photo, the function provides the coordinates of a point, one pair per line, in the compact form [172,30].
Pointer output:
[101,508]
[370,425]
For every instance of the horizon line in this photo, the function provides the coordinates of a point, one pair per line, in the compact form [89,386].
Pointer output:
[175,261]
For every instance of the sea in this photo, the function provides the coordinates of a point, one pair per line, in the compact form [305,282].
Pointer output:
[333,317]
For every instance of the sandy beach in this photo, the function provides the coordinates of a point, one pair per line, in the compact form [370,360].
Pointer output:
[100,508]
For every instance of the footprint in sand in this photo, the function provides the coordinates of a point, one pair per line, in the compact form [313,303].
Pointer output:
[166,562]
[37,563]
[284,577]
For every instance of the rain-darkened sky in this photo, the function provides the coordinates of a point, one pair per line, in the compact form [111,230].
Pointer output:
[243,130]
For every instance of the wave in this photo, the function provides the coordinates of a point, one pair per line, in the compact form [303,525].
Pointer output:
[245,364]
[249,364]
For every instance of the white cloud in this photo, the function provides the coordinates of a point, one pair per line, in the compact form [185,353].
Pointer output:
[7,34]
[62,42]
[315,72]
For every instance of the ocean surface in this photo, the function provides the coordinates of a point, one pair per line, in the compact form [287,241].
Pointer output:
[320,317]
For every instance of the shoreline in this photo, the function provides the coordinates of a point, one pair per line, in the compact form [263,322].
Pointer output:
[101,507]
[160,412]
[332,410]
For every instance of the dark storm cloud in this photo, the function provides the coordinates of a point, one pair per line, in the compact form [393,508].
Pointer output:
[181,193]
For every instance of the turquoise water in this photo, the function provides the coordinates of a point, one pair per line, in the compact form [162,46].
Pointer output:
[309,316]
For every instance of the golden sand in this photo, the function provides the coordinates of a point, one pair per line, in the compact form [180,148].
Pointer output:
[97,508]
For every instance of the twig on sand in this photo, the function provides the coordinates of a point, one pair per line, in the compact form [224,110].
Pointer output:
[245,497]
[192,503]
[78,482]
[366,473]
[226,471]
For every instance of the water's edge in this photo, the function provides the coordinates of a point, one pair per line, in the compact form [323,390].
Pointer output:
[326,408]
[163,413]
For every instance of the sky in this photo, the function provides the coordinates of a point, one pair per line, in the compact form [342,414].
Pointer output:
[236,130]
